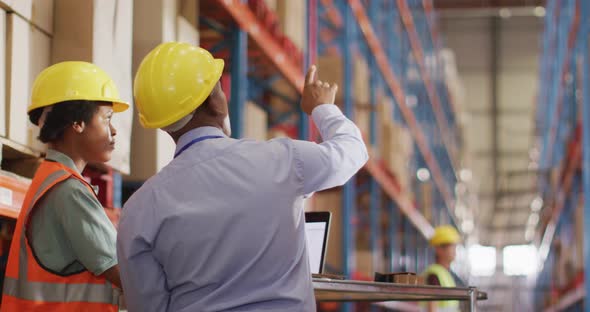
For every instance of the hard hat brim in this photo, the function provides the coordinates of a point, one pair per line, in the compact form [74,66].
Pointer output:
[444,242]
[118,105]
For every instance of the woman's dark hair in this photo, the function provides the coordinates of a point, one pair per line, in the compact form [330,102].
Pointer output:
[61,116]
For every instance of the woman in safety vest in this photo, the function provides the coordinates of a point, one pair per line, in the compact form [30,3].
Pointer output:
[63,252]
[444,241]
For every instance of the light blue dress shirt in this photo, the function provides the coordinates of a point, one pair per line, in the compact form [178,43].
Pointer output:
[221,228]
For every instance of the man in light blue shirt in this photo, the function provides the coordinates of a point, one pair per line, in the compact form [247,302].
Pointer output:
[221,228]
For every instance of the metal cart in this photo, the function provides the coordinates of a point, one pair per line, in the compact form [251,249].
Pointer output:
[346,290]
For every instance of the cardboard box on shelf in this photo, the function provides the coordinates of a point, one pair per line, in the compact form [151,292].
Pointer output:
[256,122]
[101,33]
[455,86]
[36,12]
[405,278]
[28,53]
[292,21]
[427,202]
[396,151]
[154,22]
[385,109]
[364,263]
[278,104]
[361,80]
[3,72]
[285,89]
[189,10]
[152,150]
[40,59]
[331,69]
[362,118]
[331,200]
[18,78]
[187,22]
[186,32]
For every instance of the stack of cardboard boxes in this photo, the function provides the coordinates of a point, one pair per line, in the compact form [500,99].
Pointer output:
[397,146]
[100,32]
[331,69]
[256,122]
[33,42]
[155,22]
[331,200]
[115,35]
[26,31]
[26,27]
[39,33]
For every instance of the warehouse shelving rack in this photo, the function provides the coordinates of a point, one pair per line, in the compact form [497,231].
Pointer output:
[356,29]
[564,133]
[394,38]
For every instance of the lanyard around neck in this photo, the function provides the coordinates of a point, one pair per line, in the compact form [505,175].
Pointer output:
[195,141]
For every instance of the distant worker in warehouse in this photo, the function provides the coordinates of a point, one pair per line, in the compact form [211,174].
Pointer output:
[444,241]
[63,253]
[221,228]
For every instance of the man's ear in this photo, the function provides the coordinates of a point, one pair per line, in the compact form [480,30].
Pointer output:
[208,107]
[79,126]
[215,103]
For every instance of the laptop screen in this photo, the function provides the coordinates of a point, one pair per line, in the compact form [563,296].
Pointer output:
[316,234]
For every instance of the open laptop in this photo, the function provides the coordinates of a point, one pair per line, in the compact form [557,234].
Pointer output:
[317,227]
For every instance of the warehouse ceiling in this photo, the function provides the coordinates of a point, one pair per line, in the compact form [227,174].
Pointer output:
[497,61]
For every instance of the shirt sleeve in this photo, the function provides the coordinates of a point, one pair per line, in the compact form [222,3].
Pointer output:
[142,275]
[334,161]
[89,231]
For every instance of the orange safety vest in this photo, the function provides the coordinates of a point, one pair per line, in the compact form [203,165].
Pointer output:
[30,287]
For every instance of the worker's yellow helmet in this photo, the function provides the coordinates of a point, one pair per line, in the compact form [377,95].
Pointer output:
[172,81]
[445,234]
[68,81]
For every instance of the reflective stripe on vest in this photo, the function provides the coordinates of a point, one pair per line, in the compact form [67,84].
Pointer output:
[52,292]
[446,280]
[90,289]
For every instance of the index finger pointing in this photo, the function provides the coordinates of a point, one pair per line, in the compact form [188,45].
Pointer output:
[310,77]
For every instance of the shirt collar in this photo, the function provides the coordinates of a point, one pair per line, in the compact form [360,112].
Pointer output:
[68,162]
[197,133]
[62,159]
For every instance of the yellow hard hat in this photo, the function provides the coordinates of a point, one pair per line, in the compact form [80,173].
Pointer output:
[445,234]
[173,80]
[68,81]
